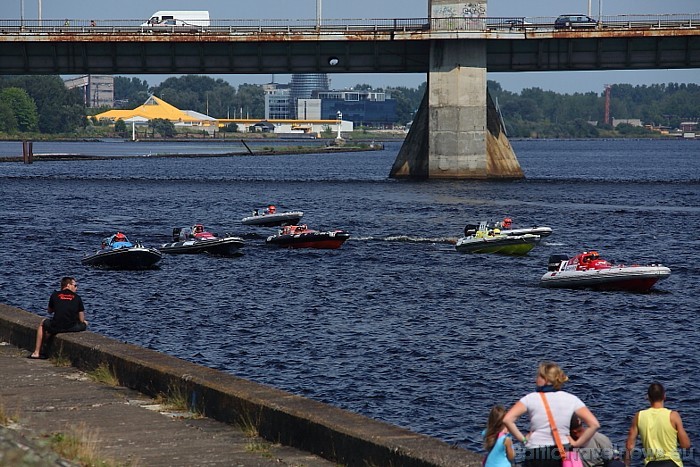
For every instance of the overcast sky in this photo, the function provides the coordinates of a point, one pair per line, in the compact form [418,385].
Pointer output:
[564,82]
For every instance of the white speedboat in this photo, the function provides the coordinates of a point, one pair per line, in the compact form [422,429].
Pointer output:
[482,239]
[506,228]
[588,271]
[270,217]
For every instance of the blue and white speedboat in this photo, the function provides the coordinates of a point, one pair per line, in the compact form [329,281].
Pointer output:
[117,252]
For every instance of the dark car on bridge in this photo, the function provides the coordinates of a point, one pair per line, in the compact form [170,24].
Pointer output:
[575,22]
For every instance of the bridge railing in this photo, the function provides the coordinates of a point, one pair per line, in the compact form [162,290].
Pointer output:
[341,26]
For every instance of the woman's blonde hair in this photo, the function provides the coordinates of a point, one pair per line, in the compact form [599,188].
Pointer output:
[494,426]
[553,374]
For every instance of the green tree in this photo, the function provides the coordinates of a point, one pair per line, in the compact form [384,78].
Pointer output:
[251,99]
[22,106]
[163,127]
[132,92]
[407,101]
[59,109]
[8,122]
[120,126]
[230,128]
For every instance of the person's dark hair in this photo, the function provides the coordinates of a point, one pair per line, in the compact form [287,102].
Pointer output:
[494,426]
[656,392]
[575,423]
[66,281]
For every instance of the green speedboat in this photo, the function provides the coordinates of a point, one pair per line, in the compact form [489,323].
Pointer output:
[481,239]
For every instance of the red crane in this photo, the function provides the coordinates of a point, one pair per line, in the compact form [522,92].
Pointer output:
[606,119]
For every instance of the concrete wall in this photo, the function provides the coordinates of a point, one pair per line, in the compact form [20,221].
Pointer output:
[457,110]
[281,417]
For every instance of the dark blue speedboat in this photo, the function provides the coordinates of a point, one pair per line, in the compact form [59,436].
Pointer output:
[117,252]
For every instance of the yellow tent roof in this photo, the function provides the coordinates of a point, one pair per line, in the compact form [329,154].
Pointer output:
[151,109]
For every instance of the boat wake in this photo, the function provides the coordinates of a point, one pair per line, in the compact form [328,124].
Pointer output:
[408,239]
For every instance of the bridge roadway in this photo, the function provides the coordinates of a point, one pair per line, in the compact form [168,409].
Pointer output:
[343,46]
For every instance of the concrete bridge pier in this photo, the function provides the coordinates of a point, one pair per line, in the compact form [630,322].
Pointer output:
[457,132]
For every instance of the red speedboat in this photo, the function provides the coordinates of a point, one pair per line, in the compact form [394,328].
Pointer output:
[300,236]
[589,271]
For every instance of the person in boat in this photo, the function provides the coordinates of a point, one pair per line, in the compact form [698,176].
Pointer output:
[68,312]
[256,212]
[271,209]
[661,431]
[119,240]
[540,447]
[197,229]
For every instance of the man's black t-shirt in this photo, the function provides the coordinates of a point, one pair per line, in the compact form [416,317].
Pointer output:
[65,305]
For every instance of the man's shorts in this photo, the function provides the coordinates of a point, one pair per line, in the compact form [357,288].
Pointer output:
[51,329]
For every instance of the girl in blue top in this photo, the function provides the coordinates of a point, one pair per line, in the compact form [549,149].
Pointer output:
[497,441]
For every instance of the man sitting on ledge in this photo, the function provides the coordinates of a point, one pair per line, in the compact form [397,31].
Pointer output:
[68,314]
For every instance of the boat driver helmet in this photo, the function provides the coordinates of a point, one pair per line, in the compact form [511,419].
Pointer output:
[119,237]
[507,222]
[271,209]
[198,228]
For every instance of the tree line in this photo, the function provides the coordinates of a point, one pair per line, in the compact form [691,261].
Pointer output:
[39,104]
[545,114]
[42,104]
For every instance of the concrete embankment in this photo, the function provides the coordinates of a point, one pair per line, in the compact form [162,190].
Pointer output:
[280,417]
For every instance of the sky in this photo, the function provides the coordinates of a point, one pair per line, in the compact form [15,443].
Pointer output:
[562,82]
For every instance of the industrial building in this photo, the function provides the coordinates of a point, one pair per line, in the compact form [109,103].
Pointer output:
[97,90]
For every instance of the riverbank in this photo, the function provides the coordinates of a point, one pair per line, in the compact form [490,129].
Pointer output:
[278,417]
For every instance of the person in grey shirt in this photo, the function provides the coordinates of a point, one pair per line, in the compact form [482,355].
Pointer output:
[598,452]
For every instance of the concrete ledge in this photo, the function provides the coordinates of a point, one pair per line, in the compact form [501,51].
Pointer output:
[337,435]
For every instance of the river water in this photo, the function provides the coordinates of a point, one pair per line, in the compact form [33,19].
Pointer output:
[395,325]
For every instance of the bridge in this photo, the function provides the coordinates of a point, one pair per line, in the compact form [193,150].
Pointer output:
[343,45]
[457,133]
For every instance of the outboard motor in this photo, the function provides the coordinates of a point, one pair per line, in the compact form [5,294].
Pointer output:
[470,229]
[555,261]
[176,234]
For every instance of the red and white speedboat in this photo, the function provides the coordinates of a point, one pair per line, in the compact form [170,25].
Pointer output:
[589,271]
[300,236]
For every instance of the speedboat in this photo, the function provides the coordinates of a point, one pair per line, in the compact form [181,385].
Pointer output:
[588,271]
[482,239]
[198,240]
[270,217]
[117,252]
[506,228]
[300,236]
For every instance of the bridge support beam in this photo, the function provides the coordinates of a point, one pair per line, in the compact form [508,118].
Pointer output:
[457,132]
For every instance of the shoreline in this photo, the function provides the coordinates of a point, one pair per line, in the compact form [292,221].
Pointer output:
[279,151]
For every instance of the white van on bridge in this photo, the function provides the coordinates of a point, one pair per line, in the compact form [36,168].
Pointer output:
[169,21]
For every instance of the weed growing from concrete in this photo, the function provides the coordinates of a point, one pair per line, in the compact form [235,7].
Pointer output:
[248,423]
[259,447]
[104,374]
[80,444]
[177,400]
[60,359]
